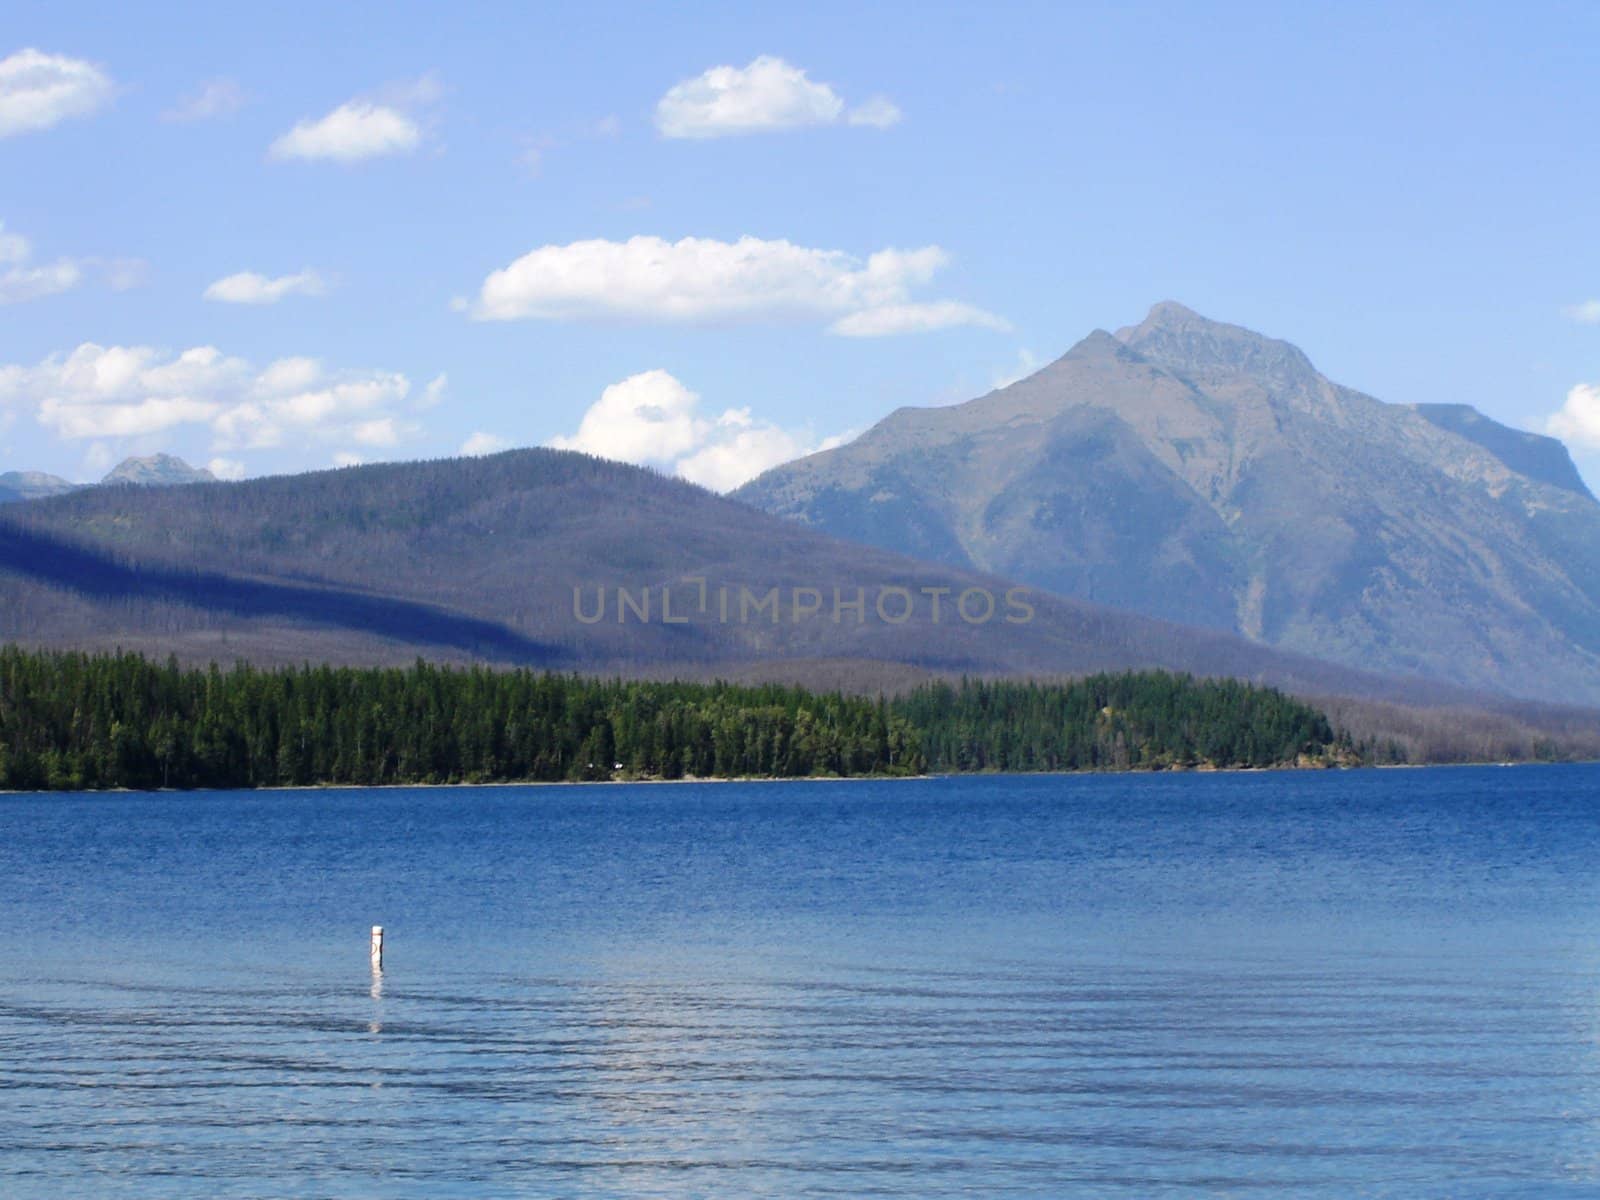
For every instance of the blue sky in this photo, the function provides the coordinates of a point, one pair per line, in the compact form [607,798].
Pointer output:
[1406,192]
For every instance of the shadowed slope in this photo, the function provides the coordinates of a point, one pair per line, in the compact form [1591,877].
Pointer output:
[479,558]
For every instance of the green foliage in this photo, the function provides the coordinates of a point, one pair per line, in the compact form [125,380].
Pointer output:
[75,721]
[81,721]
[1148,719]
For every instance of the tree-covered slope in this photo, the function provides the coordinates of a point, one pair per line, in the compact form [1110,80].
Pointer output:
[478,560]
[75,721]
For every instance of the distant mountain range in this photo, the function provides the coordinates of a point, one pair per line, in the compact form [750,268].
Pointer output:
[1199,472]
[478,559]
[156,470]
[32,485]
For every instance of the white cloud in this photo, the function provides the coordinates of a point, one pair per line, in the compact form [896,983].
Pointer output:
[1577,422]
[350,133]
[21,279]
[247,287]
[484,443]
[434,392]
[382,431]
[21,283]
[653,419]
[1027,363]
[345,458]
[226,468]
[769,94]
[738,450]
[1587,313]
[131,391]
[537,147]
[889,319]
[122,274]
[99,458]
[705,280]
[216,98]
[410,94]
[290,375]
[649,417]
[39,90]
[14,248]
[880,112]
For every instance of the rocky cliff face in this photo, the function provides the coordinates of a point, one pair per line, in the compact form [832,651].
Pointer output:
[1197,471]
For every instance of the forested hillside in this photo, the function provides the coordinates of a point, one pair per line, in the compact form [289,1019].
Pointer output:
[74,721]
[1150,719]
[481,560]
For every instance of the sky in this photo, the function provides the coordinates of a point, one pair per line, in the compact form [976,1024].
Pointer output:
[713,237]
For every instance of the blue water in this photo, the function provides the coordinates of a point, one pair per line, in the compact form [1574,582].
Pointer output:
[1378,983]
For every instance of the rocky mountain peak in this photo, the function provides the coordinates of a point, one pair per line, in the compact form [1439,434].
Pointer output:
[1196,471]
[1183,341]
[157,470]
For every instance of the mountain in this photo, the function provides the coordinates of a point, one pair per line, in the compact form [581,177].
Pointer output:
[157,470]
[31,485]
[1202,473]
[478,559]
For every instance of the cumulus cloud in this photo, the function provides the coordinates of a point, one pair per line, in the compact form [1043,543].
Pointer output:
[1587,313]
[769,94]
[226,468]
[23,279]
[132,391]
[357,130]
[705,280]
[653,419]
[215,99]
[1577,422]
[738,448]
[39,90]
[247,287]
[484,443]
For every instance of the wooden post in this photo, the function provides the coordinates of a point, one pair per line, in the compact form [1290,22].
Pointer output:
[377,947]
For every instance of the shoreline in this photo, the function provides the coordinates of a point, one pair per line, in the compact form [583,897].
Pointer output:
[1285,768]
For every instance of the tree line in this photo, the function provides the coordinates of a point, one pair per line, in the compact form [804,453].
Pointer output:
[1149,720]
[80,721]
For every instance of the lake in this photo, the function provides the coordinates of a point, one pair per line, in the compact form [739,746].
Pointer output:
[1334,984]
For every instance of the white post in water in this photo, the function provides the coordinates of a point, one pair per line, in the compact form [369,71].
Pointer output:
[377,948]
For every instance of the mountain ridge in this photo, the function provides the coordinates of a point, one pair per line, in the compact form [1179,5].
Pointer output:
[477,560]
[1199,472]
[154,470]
